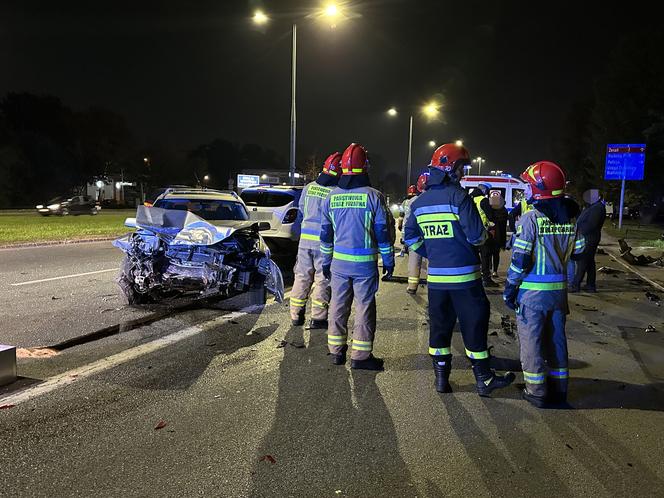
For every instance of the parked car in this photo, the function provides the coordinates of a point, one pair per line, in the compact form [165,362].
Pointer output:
[197,242]
[62,206]
[278,206]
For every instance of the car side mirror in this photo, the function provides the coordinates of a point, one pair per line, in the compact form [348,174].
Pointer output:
[130,222]
[263,225]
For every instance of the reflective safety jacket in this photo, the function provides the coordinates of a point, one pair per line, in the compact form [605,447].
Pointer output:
[354,230]
[310,205]
[540,254]
[445,227]
[478,203]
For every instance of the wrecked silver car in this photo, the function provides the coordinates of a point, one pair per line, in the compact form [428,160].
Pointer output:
[198,242]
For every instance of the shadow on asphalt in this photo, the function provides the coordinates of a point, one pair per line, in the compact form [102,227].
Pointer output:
[332,432]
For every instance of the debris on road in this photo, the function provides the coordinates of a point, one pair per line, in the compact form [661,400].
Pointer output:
[601,251]
[6,407]
[160,425]
[640,260]
[609,270]
[267,458]
[653,298]
[507,325]
[650,329]
[53,298]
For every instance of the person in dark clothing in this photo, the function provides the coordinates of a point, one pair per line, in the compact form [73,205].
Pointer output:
[480,197]
[589,223]
[500,217]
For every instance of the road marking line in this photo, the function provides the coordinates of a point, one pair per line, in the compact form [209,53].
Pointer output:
[64,276]
[76,374]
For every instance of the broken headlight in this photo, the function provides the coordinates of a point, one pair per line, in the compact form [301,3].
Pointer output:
[194,236]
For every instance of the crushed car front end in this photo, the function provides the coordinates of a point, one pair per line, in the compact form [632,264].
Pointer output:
[173,253]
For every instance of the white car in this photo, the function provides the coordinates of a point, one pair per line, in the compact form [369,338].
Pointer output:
[278,206]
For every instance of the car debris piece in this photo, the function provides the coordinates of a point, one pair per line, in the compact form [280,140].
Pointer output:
[609,270]
[174,252]
[640,260]
[267,458]
[160,425]
[650,329]
[601,251]
[653,298]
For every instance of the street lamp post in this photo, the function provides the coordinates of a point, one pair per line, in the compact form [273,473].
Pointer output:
[479,161]
[431,111]
[331,12]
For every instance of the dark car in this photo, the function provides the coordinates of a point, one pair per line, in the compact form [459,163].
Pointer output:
[62,206]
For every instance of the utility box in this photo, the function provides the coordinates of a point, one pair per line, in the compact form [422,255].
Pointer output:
[7,364]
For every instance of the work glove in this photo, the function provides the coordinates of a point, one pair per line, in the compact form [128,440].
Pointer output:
[326,272]
[509,296]
[387,272]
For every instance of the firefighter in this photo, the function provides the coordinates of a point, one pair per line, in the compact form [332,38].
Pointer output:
[414,259]
[308,266]
[411,193]
[536,285]
[354,231]
[445,227]
[517,212]
[480,197]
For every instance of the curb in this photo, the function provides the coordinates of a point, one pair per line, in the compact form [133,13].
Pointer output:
[57,242]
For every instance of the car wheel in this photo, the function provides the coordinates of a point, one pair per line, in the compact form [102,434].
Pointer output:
[257,292]
[127,290]
[93,212]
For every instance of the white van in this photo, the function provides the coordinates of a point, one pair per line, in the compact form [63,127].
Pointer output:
[512,189]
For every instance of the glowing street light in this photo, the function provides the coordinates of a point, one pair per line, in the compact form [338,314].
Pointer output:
[206,178]
[432,143]
[459,143]
[479,161]
[392,111]
[260,18]
[331,10]
[431,110]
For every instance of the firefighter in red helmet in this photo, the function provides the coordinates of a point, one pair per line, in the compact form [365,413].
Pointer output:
[411,192]
[309,278]
[536,286]
[354,232]
[445,227]
[414,259]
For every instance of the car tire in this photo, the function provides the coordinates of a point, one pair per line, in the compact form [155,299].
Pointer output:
[257,293]
[127,290]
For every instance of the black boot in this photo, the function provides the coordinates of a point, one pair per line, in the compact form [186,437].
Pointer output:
[317,324]
[340,358]
[536,401]
[442,366]
[299,321]
[487,380]
[371,363]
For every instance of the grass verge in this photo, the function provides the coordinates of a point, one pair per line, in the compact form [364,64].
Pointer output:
[636,234]
[33,228]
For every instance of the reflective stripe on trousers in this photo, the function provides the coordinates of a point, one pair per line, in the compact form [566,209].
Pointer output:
[309,279]
[543,344]
[358,294]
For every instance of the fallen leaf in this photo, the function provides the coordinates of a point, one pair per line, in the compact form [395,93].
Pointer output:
[6,407]
[267,458]
[160,425]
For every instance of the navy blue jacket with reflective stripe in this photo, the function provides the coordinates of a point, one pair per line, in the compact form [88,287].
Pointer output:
[445,227]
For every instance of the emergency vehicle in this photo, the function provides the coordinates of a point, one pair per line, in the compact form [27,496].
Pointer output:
[512,189]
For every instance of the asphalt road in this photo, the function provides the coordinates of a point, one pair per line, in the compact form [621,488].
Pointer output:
[252,407]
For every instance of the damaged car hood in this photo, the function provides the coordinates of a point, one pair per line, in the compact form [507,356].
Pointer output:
[184,227]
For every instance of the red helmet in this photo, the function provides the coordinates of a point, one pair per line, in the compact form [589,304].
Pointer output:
[547,180]
[412,190]
[450,158]
[422,182]
[332,164]
[354,160]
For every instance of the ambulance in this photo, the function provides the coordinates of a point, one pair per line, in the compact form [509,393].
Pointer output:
[512,189]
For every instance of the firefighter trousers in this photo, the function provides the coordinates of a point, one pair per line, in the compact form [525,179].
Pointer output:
[309,279]
[471,308]
[359,294]
[543,350]
[414,270]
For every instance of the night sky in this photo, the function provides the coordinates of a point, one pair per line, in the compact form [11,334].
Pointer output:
[183,73]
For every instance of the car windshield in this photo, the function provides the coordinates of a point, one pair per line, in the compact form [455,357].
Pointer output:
[55,200]
[208,209]
[266,198]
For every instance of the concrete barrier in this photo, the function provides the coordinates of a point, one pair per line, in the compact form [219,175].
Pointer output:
[7,364]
